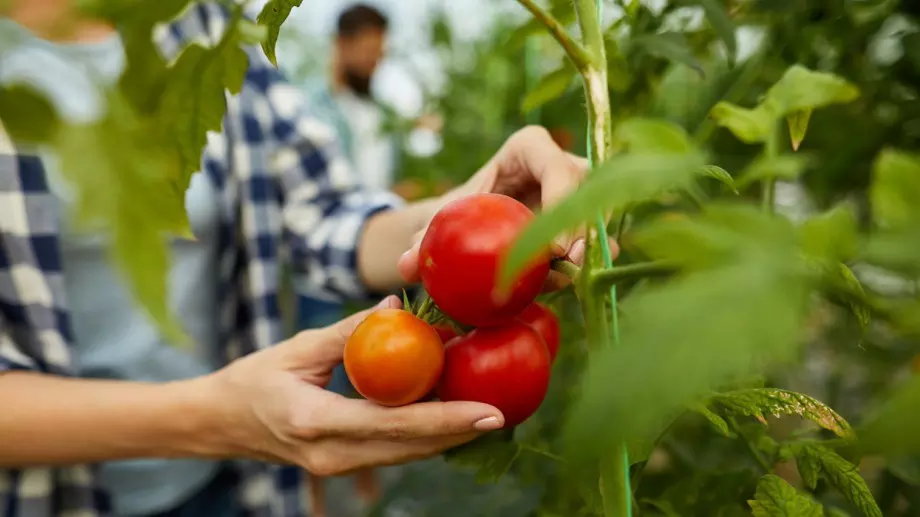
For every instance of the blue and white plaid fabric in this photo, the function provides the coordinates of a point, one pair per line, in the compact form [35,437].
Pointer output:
[287,194]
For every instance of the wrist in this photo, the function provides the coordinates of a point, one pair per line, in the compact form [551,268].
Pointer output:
[204,422]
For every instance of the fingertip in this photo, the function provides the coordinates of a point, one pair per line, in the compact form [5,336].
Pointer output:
[408,265]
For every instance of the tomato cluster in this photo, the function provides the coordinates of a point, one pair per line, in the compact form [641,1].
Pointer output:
[395,358]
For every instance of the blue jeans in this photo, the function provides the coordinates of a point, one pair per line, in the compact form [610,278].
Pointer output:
[314,313]
[217,499]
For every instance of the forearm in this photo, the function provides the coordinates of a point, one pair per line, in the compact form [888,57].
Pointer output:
[386,237]
[47,420]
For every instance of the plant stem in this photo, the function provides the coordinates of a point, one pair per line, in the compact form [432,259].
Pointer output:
[604,278]
[566,268]
[771,149]
[425,307]
[574,49]
[754,453]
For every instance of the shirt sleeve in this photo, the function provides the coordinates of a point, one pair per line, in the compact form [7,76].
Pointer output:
[324,205]
[11,357]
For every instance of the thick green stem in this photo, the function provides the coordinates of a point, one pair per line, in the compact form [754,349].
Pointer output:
[771,149]
[574,49]
[603,279]
[566,268]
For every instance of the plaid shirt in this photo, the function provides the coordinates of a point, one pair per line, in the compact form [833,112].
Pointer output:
[286,193]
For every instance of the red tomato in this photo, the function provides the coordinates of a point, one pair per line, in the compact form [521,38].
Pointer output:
[544,321]
[460,255]
[445,332]
[507,367]
[393,358]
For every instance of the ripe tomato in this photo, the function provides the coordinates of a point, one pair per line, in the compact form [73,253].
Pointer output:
[544,321]
[507,367]
[460,255]
[393,358]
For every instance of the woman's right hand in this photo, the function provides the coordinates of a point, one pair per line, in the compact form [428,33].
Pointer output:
[272,405]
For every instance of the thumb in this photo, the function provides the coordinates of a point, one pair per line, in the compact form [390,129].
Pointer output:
[408,262]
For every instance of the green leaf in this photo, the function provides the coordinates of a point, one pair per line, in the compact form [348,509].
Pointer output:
[892,429]
[621,181]
[895,189]
[718,422]
[550,87]
[669,45]
[272,17]
[798,126]
[748,125]
[845,275]
[801,89]
[895,249]
[720,21]
[251,33]
[492,454]
[26,115]
[832,235]
[719,174]
[653,135]
[816,461]
[772,401]
[777,498]
[782,167]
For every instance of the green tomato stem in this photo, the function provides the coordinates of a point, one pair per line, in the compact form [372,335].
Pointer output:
[570,270]
[576,52]
[603,279]
[769,185]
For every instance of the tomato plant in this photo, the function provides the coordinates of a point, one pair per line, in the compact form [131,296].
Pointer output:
[394,358]
[542,319]
[460,255]
[507,366]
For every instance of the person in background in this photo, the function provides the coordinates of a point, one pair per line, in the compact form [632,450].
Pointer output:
[343,99]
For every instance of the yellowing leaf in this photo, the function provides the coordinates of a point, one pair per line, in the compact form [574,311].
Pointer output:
[550,87]
[777,498]
[760,402]
[272,16]
[798,126]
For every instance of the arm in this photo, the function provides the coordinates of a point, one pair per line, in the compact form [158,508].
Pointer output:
[65,421]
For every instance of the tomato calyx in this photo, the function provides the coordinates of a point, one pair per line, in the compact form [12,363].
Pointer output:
[426,310]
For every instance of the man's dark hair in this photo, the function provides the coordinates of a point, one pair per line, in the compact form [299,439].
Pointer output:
[359,18]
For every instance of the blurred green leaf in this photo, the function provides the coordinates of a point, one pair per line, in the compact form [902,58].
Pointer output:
[815,461]
[777,498]
[550,87]
[749,125]
[862,313]
[272,16]
[26,115]
[440,31]
[798,126]
[652,135]
[621,181]
[773,401]
[832,235]
[669,45]
[719,174]
[783,167]
[895,189]
[717,421]
[801,89]
[718,17]
[492,454]
[892,429]
[896,249]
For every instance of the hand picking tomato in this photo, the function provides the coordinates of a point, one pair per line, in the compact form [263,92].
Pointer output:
[460,255]
[507,367]
[393,358]
[544,321]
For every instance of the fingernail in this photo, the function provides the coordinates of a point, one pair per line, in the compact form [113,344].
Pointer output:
[488,424]
[577,251]
[385,303]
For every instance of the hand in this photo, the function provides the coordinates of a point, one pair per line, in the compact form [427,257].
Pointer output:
[532,168]
[276,409]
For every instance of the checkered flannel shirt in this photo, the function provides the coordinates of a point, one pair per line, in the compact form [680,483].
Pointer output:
[286,194]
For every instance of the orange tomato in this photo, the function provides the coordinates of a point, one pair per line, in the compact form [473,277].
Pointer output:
[393,358]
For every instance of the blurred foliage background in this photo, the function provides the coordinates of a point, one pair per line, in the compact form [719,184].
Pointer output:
[677,66]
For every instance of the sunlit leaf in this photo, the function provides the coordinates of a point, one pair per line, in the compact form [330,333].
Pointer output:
[798,126]
[669,45]
[719,174]
[895,189]
[762,402]
[621,181]
[782,167]
[815,462]
[272,16]
[891,430]
[801,89]
[748,125]
[550,87]
[777,498]
[653,135]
